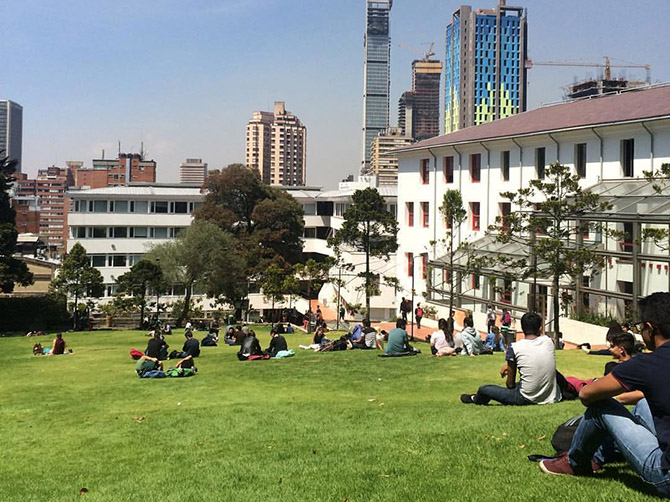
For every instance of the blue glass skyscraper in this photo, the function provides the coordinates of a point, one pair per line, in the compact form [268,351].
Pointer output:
[377,74]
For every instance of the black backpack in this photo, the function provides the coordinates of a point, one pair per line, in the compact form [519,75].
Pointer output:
[562,438]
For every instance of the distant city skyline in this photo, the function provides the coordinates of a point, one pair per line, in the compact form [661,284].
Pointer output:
[185,78]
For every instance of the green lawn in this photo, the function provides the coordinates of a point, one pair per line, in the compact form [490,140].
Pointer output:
[332,427]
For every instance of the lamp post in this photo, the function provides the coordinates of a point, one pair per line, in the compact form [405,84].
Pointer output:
[412,304]
[158,291]
[339,285]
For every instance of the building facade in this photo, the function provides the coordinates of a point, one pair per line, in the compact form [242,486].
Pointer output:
[609,138]
[377,74]
[118,225]
[11,132]
[383,161]
[126,168]
[485,74]
[419,109]
[276,147]
[193,172]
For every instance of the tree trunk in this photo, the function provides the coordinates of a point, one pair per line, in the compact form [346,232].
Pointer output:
[451,272]
[557,312]
[367,273]
[75,313]
[187,304]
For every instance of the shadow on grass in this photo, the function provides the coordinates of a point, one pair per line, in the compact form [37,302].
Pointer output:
[623,474]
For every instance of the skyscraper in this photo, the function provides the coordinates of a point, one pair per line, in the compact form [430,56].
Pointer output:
[11,131]
[277,147]
[193,171]
[377,74]
[419,109]
[485,77]
[383,161]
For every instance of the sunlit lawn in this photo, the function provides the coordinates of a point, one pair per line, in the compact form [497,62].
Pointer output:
[318,426]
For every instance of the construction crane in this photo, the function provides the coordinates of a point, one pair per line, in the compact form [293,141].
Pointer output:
[426,55]
[607,65]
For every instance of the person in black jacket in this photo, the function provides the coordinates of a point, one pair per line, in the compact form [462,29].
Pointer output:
[277,343]
[250,347]
[191,346]
[157,347]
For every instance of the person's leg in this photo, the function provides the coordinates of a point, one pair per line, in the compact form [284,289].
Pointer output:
[631,434]
[505,396]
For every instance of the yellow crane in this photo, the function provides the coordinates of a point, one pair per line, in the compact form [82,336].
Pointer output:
[426,55]
[607,65]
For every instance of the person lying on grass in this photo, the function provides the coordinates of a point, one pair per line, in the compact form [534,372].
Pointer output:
[641,436]
[534,358]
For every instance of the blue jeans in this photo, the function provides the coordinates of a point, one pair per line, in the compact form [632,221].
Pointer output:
[633,434]
[503,395]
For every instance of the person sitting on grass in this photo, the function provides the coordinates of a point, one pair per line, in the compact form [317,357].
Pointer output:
[534,358]
[622,348]
[250,346]
[472,342]
[356,337]
[398,340]
[149,367]
[58,346]
[614,329]
[442,341]
[494,340]
[369,336]
[157,347]
[191,347]
[641,436]
[277,343]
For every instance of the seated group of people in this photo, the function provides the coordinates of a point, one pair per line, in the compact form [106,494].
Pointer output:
[250,347]
[58,347]
[363,336]
[445,342]
[150,364]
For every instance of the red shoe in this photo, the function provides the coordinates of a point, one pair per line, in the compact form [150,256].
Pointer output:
[561,465]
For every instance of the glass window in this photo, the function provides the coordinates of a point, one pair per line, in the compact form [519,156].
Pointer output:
[180,207]
[99,232]
[118,206]
[141,206]
[159,207]
[475,167]
[98,260]
[540,162]
[99,206]
[119,232]
[119,260]
[310,209]
[160,233]
[140,232]
[504,165]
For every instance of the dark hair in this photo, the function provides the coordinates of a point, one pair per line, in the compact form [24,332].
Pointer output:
[624,340]
[400,323]
[366,322]
[614,329]
[469,322]
[531,322]
[442,324]
[188,333]
[59,335]
[655,309]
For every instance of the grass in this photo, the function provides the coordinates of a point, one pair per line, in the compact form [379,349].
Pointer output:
[315,427]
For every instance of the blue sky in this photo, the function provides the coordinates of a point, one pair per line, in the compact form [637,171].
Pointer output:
[185,76]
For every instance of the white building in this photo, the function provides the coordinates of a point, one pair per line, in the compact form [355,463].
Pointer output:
[118,225]
[612,137]
[193,171]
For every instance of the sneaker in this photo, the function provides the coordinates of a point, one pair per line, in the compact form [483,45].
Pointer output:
[467,398]
[561,465]
[595,466]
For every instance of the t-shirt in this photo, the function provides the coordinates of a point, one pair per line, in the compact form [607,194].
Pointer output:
[650,374]
[154,347]
[356,333]
[143,365]
[370,337]
[191,347]
[536,362]
[59,346]
[439,340]
[396,342]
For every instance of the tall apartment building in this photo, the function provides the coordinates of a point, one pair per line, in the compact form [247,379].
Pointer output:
[419,109]
[193,171]
[485,76]
[377,74]
[276,147]
[127,168]
[11,131]
[47,196]
[383,162]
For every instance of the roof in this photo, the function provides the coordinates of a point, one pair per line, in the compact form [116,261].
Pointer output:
[139,191]
[630,106]
[634,199]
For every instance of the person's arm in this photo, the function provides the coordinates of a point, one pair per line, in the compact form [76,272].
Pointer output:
[603,388]
[182,360]
[630,398]
[510,373]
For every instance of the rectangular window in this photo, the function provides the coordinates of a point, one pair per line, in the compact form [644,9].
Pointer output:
[448,169]
[119,232]
[179,207]
[98,260]
[99,232]
[119,260]
[159,207]
[410,264]
[141,207]
[310,209]
[475,167]
[99,206]
[424,265]
[425,214]
[506,294]
[580,159]
[410,214]
[540,154]
[475,281]
[160,233]
[504,165]
[140,233]
[424,171]
[505,211]
[627,156]
[474,211]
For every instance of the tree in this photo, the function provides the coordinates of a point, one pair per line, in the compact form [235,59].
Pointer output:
[77,278]
[12,270]
[369,228]
[139,279]
[551,222]
[454,214]
[276,283]
[266,221]
[313,273]
[202,256]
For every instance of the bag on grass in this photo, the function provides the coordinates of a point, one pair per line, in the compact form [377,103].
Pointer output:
[136,354]
[562,438]
[180,372]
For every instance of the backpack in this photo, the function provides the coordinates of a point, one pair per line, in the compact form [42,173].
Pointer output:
[419,312]
[562,438]
[136,354]
[180,372]
[506,319]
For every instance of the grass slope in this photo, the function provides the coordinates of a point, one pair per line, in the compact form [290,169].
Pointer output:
[316,427]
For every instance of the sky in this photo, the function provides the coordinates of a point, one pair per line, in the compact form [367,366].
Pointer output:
[184,77]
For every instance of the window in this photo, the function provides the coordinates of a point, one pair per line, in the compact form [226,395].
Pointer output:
[448,169]
[310,209]
[627,156]
[506,294]
[505,211]
[118,232]
[540,154]
[410,264]
[78,232]
[425,214]
[179,207]
[142,206]
[119,260]
[474,211]
[475,167]
[425,176]
[424,265]
[140,232]
[98,260]
[410,214]
[98,206]
[580,159]
[504,165]
[159,207]
[98,232]
[160,233]
[475,282]
[310,233]
[118,206]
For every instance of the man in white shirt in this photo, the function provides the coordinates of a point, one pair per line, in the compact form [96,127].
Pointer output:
[534,358]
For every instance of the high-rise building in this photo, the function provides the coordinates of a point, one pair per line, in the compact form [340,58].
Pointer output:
[377,75]
[11,131]
[127,168]
[485,74]
[419,109]
[277,147]
[193,171]
[383,162]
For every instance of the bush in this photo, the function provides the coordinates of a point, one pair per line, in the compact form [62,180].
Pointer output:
[597,319]
[32,313]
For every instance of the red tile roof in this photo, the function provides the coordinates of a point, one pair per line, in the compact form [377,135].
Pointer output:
[628,106]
